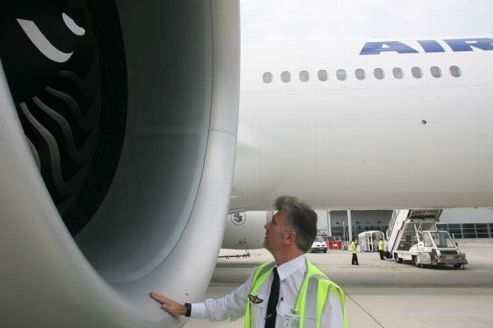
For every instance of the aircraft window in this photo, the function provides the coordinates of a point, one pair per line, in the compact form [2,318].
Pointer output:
[341,74]
[417,72]
[267,77]
[398,73]
[436,71]
[322,75]
[455,71]
[360,74]
[304,76]
[285,76]
[379,73]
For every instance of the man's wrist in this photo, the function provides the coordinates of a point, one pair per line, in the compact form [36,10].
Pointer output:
[188,307]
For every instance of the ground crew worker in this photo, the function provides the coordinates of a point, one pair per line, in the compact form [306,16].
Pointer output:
[386,250]
[380,249]
[290,292]
[353,247]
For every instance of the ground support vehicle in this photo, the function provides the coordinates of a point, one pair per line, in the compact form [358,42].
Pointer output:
[368,240]
[413,236]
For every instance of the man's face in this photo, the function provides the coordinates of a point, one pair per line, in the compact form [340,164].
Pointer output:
[276,231]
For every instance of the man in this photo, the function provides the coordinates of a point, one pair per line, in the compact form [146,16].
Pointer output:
[386,251]
[380,248]
[290,292]
[353,247]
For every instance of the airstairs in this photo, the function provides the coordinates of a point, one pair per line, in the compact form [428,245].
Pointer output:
[423,219]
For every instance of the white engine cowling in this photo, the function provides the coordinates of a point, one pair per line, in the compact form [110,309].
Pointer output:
[151,180]
[245,230]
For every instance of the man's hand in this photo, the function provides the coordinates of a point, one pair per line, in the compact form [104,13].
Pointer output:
[169,305]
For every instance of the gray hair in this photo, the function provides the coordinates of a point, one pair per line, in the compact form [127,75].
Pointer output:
[301,218]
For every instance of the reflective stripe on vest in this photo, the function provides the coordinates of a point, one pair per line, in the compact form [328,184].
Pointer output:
[311,299]
[262,272]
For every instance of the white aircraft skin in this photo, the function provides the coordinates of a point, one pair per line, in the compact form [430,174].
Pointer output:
[351,144]
[171,188]
[363,143]
[245,230]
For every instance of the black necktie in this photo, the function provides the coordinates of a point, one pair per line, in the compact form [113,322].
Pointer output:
[270,317]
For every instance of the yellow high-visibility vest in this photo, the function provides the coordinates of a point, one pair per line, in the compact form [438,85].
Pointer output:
[380,245]
[315,286]
[354,248]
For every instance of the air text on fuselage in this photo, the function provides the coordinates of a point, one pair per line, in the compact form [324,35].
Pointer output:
[428,46]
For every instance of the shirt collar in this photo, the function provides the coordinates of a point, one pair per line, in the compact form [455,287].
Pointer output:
[288,268]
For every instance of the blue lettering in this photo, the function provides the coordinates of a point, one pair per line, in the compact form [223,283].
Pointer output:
[375,48]
[431,46]
[467,44]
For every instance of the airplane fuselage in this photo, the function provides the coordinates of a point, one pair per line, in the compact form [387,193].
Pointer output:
[338,115]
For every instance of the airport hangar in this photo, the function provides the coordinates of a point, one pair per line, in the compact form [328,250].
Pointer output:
[461,223]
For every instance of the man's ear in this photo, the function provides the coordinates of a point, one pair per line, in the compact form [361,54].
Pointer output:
[292,237]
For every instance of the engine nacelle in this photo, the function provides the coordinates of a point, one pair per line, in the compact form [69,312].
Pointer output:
[245,230]
[117,156]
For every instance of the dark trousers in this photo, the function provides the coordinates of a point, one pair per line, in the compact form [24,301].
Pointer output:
[355,259]
[381,255]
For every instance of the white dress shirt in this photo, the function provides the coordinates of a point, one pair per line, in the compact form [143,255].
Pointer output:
[291,275]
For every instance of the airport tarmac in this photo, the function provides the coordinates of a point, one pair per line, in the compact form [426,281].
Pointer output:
[385,293]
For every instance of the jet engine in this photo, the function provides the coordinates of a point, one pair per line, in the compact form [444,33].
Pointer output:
[245,230]
[118,123]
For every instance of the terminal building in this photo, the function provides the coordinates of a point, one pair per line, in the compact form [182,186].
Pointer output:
[462,223]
